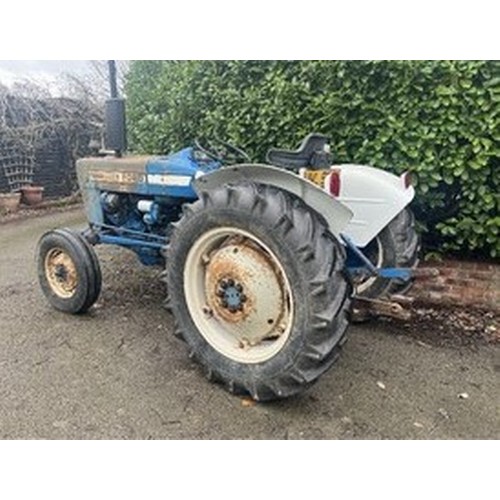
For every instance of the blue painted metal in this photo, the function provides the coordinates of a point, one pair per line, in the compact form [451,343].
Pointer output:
[168,182]
[396,273]
[167,174]
[148,247]
[121,230]
[94,205]
[232,296]
[359,264]
[403,273]
[129,242]
[359,255]
[153,216]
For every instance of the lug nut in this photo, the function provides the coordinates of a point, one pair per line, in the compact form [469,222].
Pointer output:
[243,298]
[224,284]
[230,282]
[238,287]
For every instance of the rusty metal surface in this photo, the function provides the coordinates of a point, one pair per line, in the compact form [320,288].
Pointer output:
[365,308]
[110,173]
[249,331]
[247,264]
[61,273]
[425,272]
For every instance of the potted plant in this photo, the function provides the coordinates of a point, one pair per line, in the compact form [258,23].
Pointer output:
[32,195]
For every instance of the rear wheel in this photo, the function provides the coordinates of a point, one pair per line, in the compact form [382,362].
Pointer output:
[258,290]
[68,271]
[397,245]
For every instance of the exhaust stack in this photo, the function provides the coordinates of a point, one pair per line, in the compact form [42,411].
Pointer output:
[116,130]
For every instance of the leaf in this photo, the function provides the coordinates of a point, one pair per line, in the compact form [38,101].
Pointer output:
[438,117]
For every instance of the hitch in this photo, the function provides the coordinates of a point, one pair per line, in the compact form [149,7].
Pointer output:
[364,308]
[394,306]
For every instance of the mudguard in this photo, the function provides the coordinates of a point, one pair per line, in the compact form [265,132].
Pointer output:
[374,196]
[335,213]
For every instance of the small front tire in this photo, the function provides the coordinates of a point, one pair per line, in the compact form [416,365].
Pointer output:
[68,271]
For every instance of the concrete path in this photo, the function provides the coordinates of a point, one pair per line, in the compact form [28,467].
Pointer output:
[118,372]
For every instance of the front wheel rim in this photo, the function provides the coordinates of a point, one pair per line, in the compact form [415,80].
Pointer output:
[60,272]
[238,295]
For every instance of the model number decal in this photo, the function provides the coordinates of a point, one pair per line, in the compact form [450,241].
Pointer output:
[170,180]
[100,176]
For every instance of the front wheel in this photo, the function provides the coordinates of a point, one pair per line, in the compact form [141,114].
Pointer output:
[258,290]
[68,271]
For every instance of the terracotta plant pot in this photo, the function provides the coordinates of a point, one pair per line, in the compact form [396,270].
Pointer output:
[32,195]
[9,202]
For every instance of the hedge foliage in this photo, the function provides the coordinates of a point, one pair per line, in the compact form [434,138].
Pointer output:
[439,119]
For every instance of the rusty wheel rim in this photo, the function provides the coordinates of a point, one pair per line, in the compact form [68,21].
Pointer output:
[238,295]
[61,274]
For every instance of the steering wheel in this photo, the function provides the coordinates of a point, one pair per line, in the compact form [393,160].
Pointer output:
[222,151]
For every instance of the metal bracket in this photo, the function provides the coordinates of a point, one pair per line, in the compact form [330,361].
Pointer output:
[364,308]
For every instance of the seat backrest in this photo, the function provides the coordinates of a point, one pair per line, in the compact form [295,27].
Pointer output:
[310,153]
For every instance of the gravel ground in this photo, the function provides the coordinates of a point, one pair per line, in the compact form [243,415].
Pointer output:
[118,372]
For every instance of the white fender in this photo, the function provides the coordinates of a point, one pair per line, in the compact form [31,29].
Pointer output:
[374,196]
[336,214]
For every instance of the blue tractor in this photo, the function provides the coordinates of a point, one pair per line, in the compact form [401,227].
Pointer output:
[262,261]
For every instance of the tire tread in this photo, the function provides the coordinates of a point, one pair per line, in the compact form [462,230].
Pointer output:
[322,258]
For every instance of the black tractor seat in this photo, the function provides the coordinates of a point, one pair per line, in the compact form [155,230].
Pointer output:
[312,152]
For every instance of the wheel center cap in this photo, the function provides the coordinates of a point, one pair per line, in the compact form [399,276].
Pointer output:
[245,289]
[61,273]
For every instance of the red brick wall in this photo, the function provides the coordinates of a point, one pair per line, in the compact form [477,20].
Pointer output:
[460,283]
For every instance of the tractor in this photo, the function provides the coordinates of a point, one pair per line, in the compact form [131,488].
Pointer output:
[265,264]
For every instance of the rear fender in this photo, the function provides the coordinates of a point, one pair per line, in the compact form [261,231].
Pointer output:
[336,215]
[374,196]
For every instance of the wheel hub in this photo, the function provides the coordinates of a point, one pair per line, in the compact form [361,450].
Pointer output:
[61,273]
[238,295]
[248,290]
[231,295]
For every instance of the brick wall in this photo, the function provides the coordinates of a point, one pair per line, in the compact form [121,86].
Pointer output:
[460,283]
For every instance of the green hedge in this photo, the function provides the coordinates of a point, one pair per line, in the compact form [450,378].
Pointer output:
[439,119]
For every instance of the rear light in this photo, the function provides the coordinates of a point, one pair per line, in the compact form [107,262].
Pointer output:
[407,180]
[334,183]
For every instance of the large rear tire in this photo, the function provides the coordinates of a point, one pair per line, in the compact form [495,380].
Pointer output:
[258,290]
[397,245]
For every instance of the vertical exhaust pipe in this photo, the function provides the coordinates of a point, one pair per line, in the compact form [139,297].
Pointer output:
[116,130]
